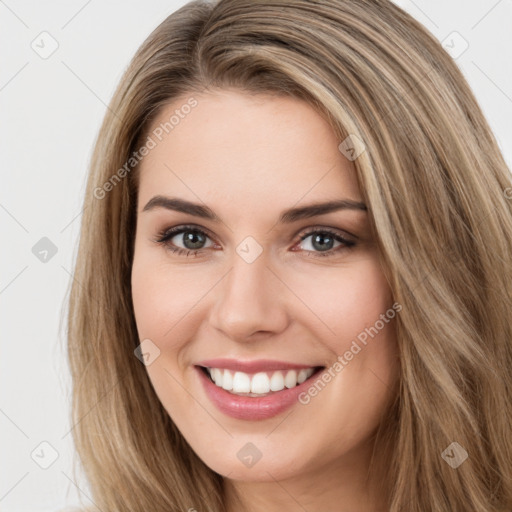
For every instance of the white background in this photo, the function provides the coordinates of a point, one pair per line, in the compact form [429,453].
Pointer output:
[51,110]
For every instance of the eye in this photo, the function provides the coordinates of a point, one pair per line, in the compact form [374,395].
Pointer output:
[194,240]
[323,242]
[191,237]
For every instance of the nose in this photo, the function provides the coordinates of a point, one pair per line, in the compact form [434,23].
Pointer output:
[249,302]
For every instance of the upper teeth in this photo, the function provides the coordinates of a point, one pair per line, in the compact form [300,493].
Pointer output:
[259,383]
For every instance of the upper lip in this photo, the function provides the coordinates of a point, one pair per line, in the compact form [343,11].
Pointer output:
[254,366]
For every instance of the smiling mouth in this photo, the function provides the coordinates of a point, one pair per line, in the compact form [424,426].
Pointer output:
[261,383]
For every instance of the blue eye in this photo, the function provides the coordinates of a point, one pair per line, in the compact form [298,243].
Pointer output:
[194,239]
[324,239]
[192,236]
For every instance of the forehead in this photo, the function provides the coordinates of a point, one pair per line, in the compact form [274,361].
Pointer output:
[245,151]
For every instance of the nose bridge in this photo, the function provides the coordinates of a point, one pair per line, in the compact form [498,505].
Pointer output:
[247,301]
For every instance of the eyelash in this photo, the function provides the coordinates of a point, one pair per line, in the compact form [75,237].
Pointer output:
[165,235]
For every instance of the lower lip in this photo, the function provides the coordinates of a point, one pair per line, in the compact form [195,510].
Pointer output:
[252,408]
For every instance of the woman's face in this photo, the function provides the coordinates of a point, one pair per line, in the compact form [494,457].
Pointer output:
[262,287]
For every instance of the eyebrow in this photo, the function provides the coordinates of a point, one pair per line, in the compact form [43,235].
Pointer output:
[288,216]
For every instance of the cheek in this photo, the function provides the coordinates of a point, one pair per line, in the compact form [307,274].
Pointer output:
[346,299]
[357,325]
[163,300]
[162,304]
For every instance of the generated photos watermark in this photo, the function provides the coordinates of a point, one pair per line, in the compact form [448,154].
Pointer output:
[152,141]
[343,360]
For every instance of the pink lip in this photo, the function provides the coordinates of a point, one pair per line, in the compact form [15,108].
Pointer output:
[260,365]
[252,408]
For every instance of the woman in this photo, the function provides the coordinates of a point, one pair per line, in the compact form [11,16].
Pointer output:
[293,289]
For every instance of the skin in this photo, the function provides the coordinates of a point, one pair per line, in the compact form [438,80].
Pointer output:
[249,158]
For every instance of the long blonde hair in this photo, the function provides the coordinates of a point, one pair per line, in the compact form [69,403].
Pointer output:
[439,195]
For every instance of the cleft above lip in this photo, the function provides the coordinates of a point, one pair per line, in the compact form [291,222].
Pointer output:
[254,366]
